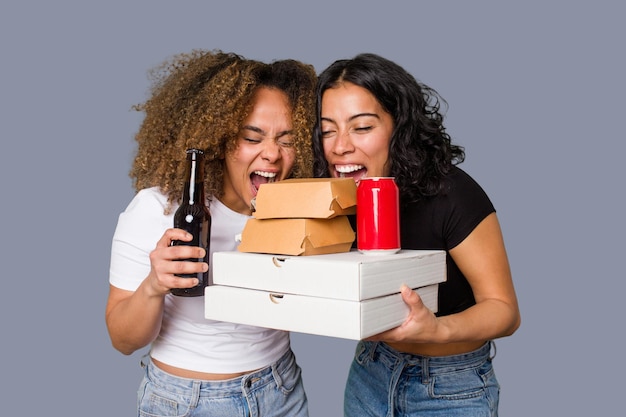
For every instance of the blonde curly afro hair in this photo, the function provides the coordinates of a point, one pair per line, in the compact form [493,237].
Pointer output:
[199,100]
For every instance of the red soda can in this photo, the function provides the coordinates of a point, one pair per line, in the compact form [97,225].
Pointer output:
[378,216]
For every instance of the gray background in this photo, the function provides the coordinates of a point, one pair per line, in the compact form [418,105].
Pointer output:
[536,94]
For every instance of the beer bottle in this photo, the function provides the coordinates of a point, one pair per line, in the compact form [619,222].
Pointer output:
[193,216]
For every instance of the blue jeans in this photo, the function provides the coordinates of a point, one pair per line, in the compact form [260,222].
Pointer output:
[276,390]
[385,382]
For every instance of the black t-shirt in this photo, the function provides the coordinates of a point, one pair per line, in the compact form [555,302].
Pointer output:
[442,222]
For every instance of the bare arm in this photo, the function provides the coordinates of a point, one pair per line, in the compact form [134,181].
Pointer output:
[482,259]
[133,318]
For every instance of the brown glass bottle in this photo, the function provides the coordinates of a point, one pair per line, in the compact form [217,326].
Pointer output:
[193,216]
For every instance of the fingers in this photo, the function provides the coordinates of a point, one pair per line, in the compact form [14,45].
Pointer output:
[411,325]
[166,274]
[165,250]
[411,298]
[173,234]
[160,257]
[168,261]
[178,282]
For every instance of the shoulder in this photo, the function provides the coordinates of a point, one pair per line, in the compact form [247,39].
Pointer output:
[461,187]
[148,199]
[145,215]
[459,179]
[138,229]
[464,205]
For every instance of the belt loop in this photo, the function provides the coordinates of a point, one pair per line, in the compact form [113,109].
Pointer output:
[425,370]
[276,375]
[144,360]
[195,394]
[492,346]
[372,352]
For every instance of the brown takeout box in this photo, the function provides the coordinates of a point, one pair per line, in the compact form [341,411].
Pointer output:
[297,236]
[312,198]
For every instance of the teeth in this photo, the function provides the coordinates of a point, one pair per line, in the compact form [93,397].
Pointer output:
[271,176]
[344,169]
[265,174]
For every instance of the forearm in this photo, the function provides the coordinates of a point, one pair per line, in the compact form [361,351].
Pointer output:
[487,320]
[134,319]
[482,259]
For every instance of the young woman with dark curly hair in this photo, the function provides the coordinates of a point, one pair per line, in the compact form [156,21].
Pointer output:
[254,122]
[375,120]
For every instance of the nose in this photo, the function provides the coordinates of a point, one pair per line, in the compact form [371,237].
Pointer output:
[342,144]
[270,151]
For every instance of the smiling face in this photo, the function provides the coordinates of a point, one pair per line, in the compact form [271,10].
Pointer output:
[264,150]
[356,132]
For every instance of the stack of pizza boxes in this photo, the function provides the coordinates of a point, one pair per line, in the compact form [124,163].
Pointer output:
[295,268]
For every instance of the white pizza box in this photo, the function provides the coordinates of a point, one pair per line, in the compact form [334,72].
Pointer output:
[313,315]
[345,276]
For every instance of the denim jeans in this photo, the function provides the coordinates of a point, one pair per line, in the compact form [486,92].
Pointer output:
[385,382]
[276,390]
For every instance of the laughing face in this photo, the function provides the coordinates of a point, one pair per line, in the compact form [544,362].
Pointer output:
[356,133]
[264,150]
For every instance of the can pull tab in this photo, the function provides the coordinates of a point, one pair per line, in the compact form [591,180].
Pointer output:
[275,298]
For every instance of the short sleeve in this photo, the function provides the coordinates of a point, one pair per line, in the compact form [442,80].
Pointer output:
[138,229]
[468,205]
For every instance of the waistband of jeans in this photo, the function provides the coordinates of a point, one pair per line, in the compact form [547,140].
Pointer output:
[467,359]
[227,386]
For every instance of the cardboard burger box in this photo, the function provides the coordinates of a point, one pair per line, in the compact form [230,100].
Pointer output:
[347,295]
[310,198]
[297,236]
[301,217]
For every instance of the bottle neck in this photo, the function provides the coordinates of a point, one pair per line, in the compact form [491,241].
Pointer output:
[194,183]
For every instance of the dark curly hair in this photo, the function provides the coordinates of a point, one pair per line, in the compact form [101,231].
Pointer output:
[420,150]
[199,100]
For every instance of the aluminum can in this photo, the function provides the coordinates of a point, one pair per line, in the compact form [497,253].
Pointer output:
[378,216]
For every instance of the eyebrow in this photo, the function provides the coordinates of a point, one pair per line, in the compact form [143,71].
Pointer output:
[264,133]
[351,118]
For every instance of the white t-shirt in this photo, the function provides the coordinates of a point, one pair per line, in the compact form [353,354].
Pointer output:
[187,340]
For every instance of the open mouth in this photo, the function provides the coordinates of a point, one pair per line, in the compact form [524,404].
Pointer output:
[356,172]
[258,178]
